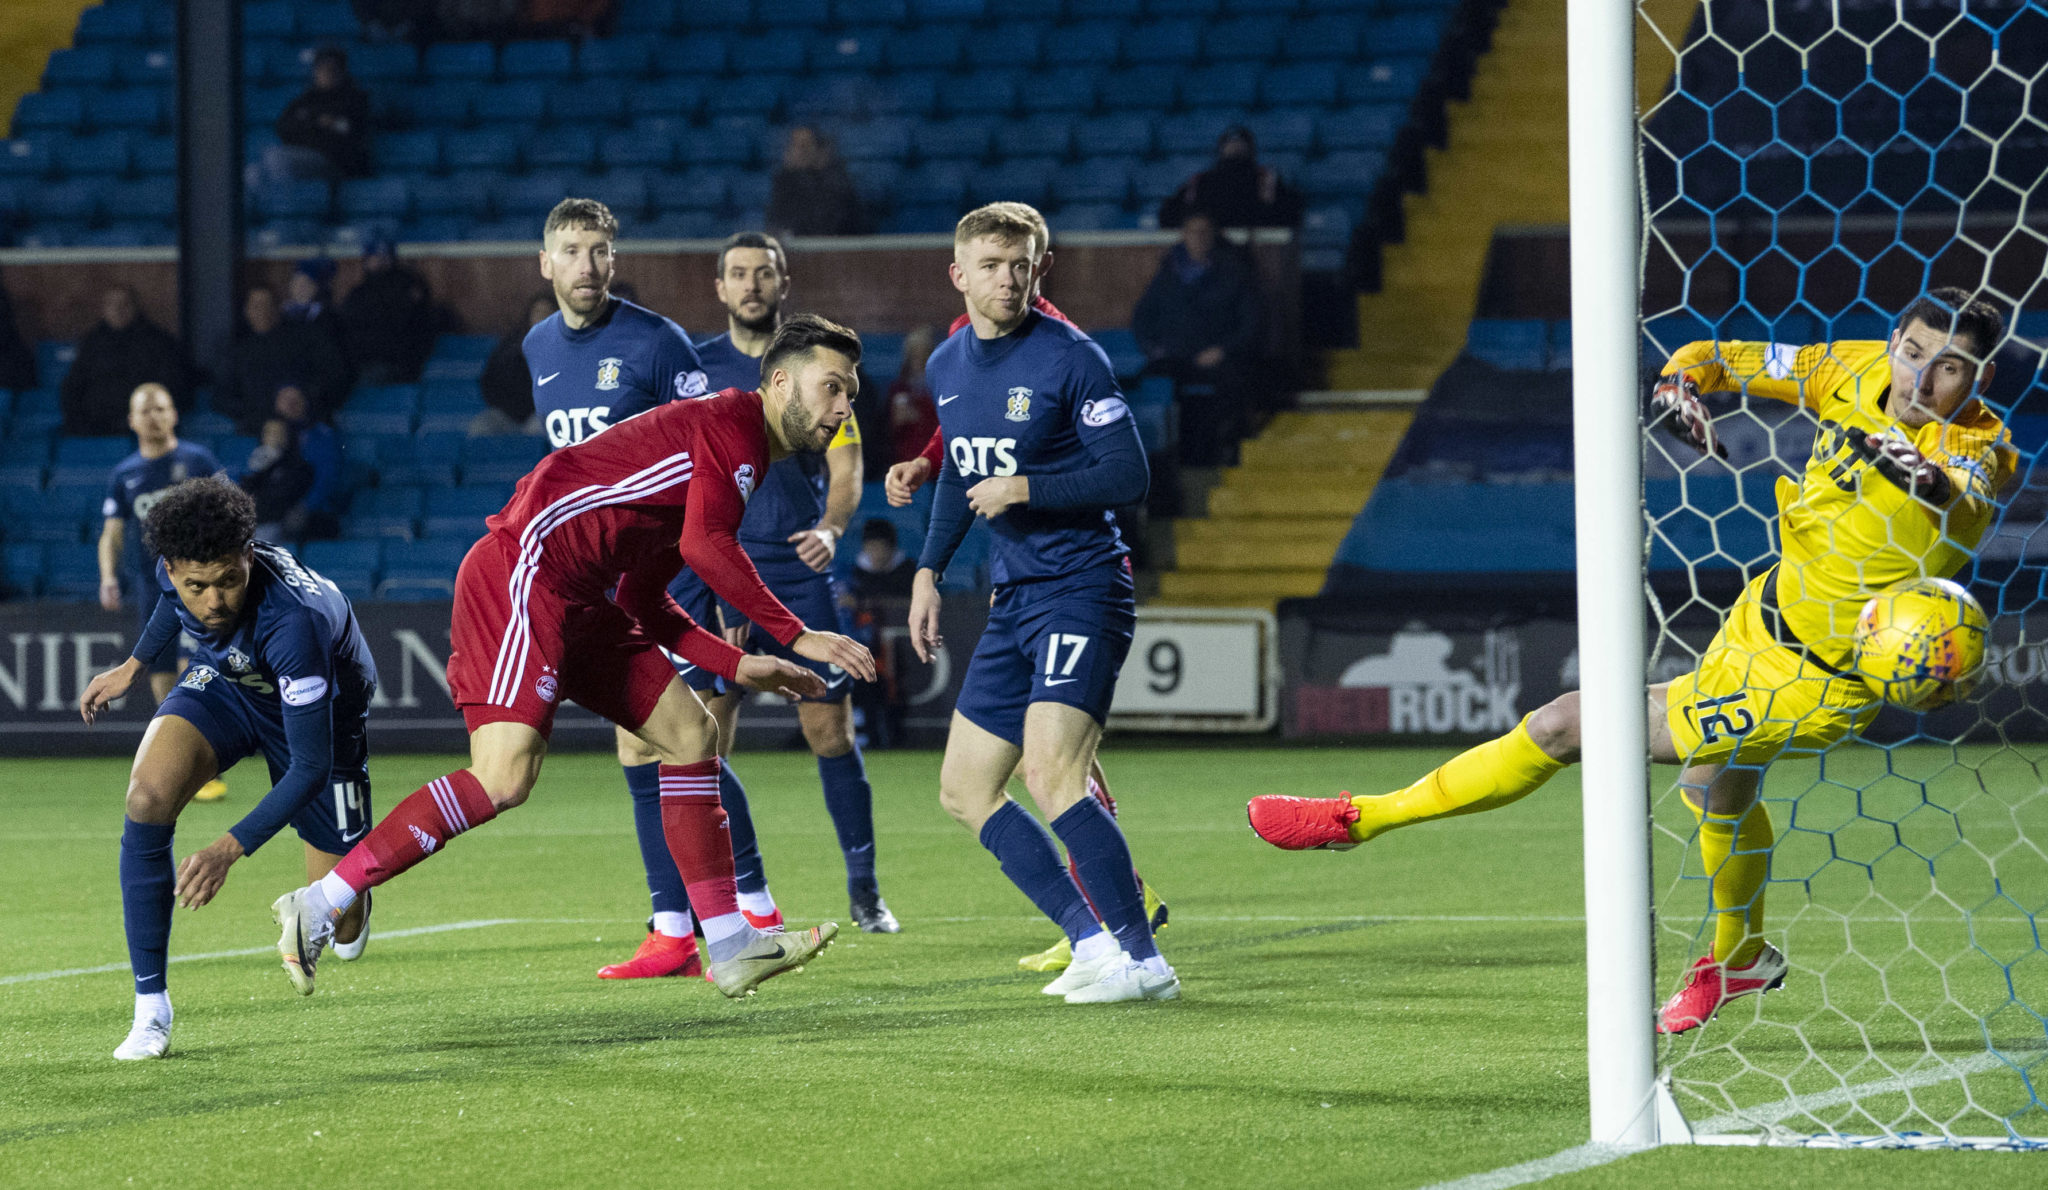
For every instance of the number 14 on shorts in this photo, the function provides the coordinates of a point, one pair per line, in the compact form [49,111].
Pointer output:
[1062,653]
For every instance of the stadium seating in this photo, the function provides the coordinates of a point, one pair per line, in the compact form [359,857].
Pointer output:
[1101,89]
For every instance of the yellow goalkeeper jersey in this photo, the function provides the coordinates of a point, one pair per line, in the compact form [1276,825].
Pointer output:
[1845,532]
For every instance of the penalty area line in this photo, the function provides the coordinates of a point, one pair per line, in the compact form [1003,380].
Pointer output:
[415,931]
[1572,1160]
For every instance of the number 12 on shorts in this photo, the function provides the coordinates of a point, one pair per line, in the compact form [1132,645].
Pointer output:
[1059,672]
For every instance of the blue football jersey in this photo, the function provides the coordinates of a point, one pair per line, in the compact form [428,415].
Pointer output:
[1040,401]
[137,483]
[626,362]
[296,643]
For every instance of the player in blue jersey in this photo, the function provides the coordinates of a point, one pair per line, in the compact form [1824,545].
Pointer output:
[596,361]
[791,531]
[1040,442]
[160,460]
[281,671]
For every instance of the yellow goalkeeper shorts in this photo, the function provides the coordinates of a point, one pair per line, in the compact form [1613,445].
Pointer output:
[1753,697]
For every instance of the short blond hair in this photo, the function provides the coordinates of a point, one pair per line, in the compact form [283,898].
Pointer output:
[581,214]
[1005,222]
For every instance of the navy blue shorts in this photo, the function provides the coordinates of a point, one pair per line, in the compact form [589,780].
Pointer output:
[1060,640]
[803,591]
[166,660]
[238,727]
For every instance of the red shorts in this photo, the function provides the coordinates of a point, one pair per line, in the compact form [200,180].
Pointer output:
[520,648]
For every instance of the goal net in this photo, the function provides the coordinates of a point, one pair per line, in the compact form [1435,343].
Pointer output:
[1809,169]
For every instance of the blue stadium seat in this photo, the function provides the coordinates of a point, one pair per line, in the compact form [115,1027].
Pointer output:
[407,151]
[111,22]
[768,54]
[1171,40]
[1326,229]
[137,108]
[562,147]
[1329,35]
[1094,216]
[698,56]
[1300,84]
[948,10]
[1195,132]
[528,449]
[342,559]
[935,184]
[798,14]
[328,22]
[1374,126]
[43,111]
[422,563]
[376,198]
[646,16]
[1350,173]
[86,66]
[1414,33]
[1096,180]
[520,102]
[151,200]
[1251,38]
[206,425]
[1126,135]
[875,181]
[680,225]
[1183,8]
[696,190]
[582,105]
[929,47]
[100,453]
[451,501]
[1150,87]
[1284,130]
[983,93]
[266,19]
[854,12]
[53,361]
[71,573]
[485,148]
[1519,344]
[448,103]
[386,512]
[21,567]
[1154,180]
[625,57]
[460,60]
[881,355]
[881,139]
[1036,136]
[354,422]
[467,193]
[1126,358]
[386,398]
[144,66]
[626,191]
[715,146]
[749,95]
[389,62]
[669,99]
[648,147]
[716,14]
[293,200]
[1558,350]
[1010,45]
[963,137]
[261,106]
[150,155]
[530,197]
[76,200]
[106,153]
[846,50]
[474,348]
[1222,84]
[1018,179]
[497,475]
[25,157]
[536,60]
[1086,43]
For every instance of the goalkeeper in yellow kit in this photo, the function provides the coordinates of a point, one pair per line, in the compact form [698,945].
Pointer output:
[1905,466]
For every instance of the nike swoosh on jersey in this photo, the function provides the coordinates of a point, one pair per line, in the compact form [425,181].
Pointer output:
[949,400]
[1060,681]
[545,379]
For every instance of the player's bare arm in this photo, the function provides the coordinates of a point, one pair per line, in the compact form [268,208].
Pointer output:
[816,546]
[998,494]
[112,536]
[205,870]
[924,615]
[106,688]
[773,675]
[903,480]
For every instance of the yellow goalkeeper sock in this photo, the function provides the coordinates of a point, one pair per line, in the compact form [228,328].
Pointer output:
[1735,850]
[1484,778]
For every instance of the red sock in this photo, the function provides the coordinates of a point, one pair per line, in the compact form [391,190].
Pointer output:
[1096,791]
[416,828]
[694,823]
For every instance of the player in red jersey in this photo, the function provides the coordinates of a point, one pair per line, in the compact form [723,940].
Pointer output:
[901,483]
[535,621]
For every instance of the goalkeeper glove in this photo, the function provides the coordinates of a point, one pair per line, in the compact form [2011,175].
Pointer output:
[1677,405]
[1899,461]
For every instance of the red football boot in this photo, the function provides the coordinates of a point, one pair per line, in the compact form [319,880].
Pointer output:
[1304,823]
[659,955]
[1711,985]
[767,925]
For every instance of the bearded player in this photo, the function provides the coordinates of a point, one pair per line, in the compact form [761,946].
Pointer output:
[902,482]
[1900,485]
[1041,443]
[566,597]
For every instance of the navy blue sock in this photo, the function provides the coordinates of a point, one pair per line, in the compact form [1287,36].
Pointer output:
[749,874]
[851,804]
[1032,862]
[1103,859]
[664,883]
[148,881]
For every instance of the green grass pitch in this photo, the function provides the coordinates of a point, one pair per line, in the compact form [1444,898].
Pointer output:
[1400,1015]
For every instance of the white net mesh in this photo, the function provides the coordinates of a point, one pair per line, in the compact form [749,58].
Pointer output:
[1810,169]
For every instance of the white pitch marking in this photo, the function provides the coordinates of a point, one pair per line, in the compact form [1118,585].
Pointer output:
[272,949]
[1571,1160]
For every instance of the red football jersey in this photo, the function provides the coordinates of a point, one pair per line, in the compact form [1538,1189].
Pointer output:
[934,452]
[632,506]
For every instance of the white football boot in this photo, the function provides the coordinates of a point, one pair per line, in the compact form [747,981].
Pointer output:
[1131,980]
[307,924]
[1082,972]
[150,1037]
[349,952]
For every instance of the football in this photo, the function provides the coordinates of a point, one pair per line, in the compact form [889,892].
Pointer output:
[1920,644]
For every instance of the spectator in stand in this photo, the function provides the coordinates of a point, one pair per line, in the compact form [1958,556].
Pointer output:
[309,303]
[122,352]
[387,320]
[268,354]
[295,449]
[17,361]
[881,570]
[1236,191]
[507,385]
[812,194]
[325,132]
[879,595]
[1198,322]
[912,416]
